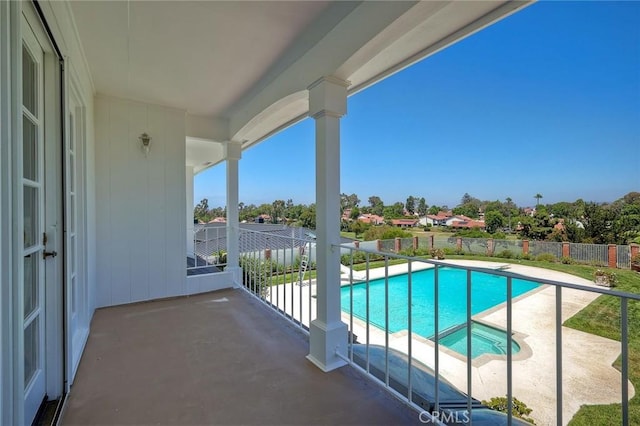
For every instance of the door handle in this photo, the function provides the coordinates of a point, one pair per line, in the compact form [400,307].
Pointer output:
[46,254]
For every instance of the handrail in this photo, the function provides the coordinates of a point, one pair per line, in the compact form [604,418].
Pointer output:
[624,297]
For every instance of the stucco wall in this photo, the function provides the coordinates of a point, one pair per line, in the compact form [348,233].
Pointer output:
[140,202]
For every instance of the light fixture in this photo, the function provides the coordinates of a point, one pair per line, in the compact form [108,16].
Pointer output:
[146,142]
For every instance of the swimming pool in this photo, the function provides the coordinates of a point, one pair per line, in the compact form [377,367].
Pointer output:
[484,340]
[487,291]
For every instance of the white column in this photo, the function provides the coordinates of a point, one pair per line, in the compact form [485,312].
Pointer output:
[232,153]
[328,334]
[189,212]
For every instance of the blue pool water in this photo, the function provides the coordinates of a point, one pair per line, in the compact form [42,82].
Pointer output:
[484,340]
[487,291]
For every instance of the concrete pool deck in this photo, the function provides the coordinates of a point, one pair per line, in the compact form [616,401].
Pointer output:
[588,374]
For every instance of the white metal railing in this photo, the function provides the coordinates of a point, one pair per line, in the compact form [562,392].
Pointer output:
[273,273]
[277,269]
[360,358]
[209,249]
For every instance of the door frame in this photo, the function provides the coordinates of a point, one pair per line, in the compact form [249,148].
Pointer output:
[54,307]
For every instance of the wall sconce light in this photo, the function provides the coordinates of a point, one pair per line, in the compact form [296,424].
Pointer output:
[146,142]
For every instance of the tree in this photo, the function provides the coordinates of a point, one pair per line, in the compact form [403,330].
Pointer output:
[394,211]
[526,226]
[509,206]
[355,213]
[422,207]
[537,197]
[410,205]
[377,206]
[201,211]
[288,208]
[358,227]
[494,221]
[348,201]
[308,217]
[468,209]
[466,198]
[469,206]
[278,209]
[434,210]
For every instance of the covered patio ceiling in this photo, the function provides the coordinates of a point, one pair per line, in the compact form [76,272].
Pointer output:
[240,69]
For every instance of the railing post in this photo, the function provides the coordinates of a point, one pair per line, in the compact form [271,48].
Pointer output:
[378,245]
[431,241]
[356,244]
[613,256]
[416,243]
[525,246]
[398,245]
[490,247]
[565,249]
[267,254]
[459,243]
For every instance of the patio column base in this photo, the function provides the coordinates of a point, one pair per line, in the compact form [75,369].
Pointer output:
[236,274]
[324,339]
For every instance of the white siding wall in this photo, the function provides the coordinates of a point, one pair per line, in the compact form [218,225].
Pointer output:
[140,202]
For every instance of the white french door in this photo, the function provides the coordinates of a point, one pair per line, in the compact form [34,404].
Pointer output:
[33,208]
[75,231]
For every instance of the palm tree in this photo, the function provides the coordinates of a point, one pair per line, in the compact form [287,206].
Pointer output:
[509,211]
[537,197]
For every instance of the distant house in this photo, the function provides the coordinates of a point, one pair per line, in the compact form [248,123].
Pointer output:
[434,220]
[404,223]
[263,218]
[468,224]
[218,219]
[458,218]
[372,219]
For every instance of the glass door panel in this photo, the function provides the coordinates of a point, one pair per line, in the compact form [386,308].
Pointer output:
[33,209]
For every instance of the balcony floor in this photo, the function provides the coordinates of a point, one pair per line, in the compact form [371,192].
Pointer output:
[215,358]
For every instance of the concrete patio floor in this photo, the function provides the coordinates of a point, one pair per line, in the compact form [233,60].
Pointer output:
[216,358]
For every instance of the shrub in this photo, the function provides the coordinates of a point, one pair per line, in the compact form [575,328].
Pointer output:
[359,257]
[414,252]
[256,273]
[519,409]
[566,260]
[436,253]
[385,232]
[605,277]
[505,254]
[546,257]
[499,235]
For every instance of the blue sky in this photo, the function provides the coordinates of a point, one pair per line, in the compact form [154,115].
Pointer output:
[545,101]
